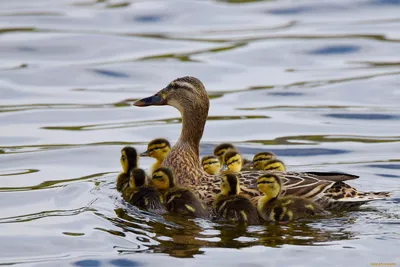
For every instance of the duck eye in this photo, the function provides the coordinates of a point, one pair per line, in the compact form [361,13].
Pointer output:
[157,177]
[123,158]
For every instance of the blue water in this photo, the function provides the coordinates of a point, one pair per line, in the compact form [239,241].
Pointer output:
[316,82]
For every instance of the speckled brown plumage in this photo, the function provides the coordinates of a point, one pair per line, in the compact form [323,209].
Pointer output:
[188,95]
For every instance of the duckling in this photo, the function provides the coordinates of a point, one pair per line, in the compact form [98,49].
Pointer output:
[272,207]
[259,159]
[231,205]
[178,199]
[233,161]
[189,95]
[144,196]
[129,161]
[274,165]
[220,150]
[158,149]
[211,165]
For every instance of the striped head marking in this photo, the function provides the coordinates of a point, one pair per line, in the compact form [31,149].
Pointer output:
[163,178]
[220,150]
[128,159]
[211,164]
[274,165]
[158,149]
[182,92]
[233,160]
[270,185]
[259,159]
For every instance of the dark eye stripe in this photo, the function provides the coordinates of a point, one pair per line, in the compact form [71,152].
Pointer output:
[211,162]
[273,168]
[264,182]
[233,161]
[152,149]
[157,177]
[261,159]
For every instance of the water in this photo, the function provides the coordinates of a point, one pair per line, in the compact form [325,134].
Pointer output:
[316,82]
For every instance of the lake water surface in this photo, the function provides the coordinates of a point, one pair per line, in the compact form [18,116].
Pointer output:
[316,82]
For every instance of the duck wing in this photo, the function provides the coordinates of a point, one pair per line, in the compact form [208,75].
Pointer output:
[148,198]
[184,201]
[238,209]
[308,185]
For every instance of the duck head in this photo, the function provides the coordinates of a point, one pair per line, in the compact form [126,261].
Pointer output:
[157,148]
[189,96]
[270,185]
[180,93]
[211,165]
[128,159]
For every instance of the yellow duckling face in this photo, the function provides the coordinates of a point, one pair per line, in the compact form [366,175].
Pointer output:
[158,149]
[233,161]
[274,165]
[261,158]
[182,93]
[270,185]
[137,178]
[211,165]
[163,178]
[220,150]
[230,185]
[128,159]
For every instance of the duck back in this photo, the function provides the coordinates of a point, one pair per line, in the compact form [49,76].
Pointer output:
[185,202]
[236,208]
[148,198]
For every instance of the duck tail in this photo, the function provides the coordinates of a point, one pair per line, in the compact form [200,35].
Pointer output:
[351,202]
[373,195]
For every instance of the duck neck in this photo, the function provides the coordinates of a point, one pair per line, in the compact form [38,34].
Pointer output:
[193,127]
[268,199]
[183,158]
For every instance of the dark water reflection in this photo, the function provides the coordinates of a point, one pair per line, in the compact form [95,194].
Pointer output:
[315,82]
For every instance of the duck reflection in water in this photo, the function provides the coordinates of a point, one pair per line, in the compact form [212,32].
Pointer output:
[185,237]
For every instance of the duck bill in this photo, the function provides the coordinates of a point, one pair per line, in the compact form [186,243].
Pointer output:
[145,154]
[250,164]
[154,100]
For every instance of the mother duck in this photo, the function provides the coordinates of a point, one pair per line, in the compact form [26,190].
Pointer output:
[189,96]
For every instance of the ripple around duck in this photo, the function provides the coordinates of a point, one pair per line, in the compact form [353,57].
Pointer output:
[361,116]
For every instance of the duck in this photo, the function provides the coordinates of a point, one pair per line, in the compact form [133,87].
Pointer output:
[129,161]
[211,164]
[274,165]
[188,95]
[272,207]
[220,150]
[158,149]
[177,199]
[261,158]
[233,162]
[144,196]
[230,205]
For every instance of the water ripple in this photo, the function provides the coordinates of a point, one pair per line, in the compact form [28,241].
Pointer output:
[314,82]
